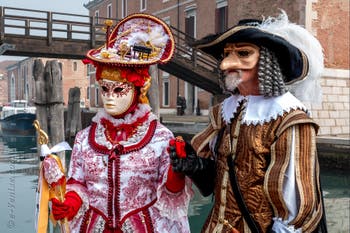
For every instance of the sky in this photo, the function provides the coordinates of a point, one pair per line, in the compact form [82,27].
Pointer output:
[64,6]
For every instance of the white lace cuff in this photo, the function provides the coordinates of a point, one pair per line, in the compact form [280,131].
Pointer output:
[174,205]
[280,226]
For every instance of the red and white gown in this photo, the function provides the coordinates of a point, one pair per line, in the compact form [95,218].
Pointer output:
[122,184]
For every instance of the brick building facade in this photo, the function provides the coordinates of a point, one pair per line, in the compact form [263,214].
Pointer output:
[19,80]
[3,82]
[327,20]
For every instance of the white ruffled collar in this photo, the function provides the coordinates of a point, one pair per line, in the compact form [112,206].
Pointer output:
[141,110]
[260,109]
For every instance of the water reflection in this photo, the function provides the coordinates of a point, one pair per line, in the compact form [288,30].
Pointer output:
[18,178]
[19,173]
[21,144]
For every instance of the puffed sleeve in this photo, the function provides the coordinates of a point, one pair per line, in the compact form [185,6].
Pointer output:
[292,180]
[76,177]
[171,205]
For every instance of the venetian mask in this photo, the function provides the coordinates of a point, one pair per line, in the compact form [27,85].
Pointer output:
[117,97]
[239,64]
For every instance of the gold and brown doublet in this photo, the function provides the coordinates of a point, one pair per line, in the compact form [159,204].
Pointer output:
[262,154]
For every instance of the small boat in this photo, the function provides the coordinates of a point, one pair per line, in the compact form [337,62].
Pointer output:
[17,119]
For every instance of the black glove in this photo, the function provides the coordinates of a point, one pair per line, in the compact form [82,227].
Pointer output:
[200,170]
[188,165]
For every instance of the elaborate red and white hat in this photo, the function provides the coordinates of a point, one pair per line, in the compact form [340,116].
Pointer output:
[137,40]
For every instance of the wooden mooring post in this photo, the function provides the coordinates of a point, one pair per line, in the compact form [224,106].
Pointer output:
[73,121]
[153,93]
[49,101]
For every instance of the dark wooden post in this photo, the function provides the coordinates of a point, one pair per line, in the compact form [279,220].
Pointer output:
[2,23]
[49,28]
[49,104]
[53,77]
[92,32]
[40,93]
[69,31]
[153,93]
[49,101]
[27,27]
[73,122]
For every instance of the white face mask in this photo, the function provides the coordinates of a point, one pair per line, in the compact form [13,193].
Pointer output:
[117,97]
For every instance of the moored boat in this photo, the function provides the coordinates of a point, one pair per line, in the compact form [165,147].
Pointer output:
[17,119]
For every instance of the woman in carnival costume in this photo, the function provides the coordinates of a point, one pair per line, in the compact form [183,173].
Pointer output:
[120,178]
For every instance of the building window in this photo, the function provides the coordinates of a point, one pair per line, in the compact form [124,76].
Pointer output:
[97,15]
[97,94]
[221,16]
[124,8]
[26,91]
[75,66]
[88,93]
[12,88]
[109,11]
[91,69]
[143,5]
[166,90]
[190,23]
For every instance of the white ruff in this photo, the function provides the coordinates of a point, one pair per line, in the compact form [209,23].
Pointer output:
[260,109]
[141,110]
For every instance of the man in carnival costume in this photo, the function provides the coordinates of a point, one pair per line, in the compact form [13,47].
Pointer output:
[258,154]
[120,178]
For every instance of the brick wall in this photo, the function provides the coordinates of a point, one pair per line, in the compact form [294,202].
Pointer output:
[74,74]
[3,91]
[328,20]
[331,27]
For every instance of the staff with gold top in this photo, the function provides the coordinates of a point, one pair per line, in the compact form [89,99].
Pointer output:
[51,182]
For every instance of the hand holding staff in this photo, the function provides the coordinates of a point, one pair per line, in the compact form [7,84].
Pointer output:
[49,186]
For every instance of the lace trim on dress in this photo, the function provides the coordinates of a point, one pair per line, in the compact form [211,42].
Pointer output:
[173,205]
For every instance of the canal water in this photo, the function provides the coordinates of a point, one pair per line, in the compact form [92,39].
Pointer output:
[19,173]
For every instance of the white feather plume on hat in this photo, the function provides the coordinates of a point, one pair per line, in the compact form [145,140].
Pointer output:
[308,89]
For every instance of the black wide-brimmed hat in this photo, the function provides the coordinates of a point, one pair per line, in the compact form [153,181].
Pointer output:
[293,61]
